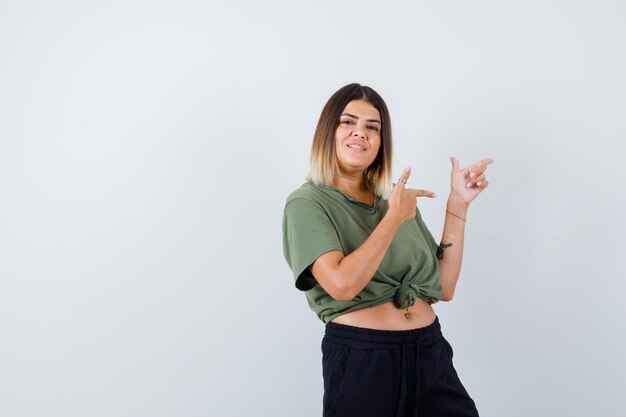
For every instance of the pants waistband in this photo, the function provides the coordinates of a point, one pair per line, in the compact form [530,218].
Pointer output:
[364,338]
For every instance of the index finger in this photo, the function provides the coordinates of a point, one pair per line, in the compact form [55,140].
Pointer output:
[480,167]
[486,161]
[422,193]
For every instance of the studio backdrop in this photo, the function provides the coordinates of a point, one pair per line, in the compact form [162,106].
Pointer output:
[147,149]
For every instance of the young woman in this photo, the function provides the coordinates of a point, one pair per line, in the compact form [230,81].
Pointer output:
[371,269]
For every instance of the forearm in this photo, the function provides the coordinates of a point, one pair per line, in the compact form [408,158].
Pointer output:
[358,268]
[453,232]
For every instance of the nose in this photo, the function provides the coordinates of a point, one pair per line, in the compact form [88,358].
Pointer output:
[358,133]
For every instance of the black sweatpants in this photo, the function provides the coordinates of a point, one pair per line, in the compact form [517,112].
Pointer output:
[391,373]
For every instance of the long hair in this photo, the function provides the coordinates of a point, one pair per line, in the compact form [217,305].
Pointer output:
[324,167]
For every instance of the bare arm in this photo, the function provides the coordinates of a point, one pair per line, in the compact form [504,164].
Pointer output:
[453,232]
[343,277]
[467,184]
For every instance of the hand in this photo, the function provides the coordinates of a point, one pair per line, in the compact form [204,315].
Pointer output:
[468,182]
[403,201]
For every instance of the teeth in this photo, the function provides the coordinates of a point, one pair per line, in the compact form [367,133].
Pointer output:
[355,146]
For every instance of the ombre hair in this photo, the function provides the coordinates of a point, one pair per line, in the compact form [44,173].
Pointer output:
[324,166]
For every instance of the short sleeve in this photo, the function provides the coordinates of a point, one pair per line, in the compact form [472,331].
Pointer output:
[431,240]
[308,233]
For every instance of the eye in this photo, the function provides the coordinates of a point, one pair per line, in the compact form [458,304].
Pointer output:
[347,122]
[373,128]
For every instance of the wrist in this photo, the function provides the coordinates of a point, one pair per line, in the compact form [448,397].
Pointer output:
[457,205]
[393,217]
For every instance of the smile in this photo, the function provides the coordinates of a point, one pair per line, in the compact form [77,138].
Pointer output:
[356,146]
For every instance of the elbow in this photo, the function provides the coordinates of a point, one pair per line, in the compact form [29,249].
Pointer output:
[337,283]
[342,293]
[447,296]
[343,297]
[336,287]
[342,290]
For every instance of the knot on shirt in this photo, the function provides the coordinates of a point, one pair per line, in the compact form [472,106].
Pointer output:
[407,293]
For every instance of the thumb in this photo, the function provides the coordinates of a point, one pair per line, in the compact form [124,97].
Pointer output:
[456,166]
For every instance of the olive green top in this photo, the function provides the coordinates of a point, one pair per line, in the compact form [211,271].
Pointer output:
[318,219]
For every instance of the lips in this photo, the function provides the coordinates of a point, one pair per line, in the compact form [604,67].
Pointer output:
[356,146]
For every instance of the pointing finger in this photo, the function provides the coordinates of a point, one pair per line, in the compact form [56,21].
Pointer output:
[422,193]
[479,167]
[482,164]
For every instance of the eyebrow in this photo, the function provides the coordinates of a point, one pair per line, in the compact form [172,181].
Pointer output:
[368,120]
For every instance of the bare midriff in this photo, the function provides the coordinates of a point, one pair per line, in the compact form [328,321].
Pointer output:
[390,316]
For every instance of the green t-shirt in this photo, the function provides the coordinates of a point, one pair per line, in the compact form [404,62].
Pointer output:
[318,219]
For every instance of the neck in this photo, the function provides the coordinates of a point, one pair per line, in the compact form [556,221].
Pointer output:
[354,186]
[350,183]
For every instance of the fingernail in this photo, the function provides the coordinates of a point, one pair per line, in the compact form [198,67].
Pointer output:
[434,195]
[408,167]
[467,185]
[472,175]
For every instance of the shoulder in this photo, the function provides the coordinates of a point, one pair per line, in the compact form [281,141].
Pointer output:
[309,192]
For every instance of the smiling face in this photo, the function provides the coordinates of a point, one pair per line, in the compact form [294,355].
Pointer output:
[357,137]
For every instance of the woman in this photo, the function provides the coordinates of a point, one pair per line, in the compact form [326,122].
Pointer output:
[372,270]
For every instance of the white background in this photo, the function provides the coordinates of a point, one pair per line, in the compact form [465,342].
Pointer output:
[147,148]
